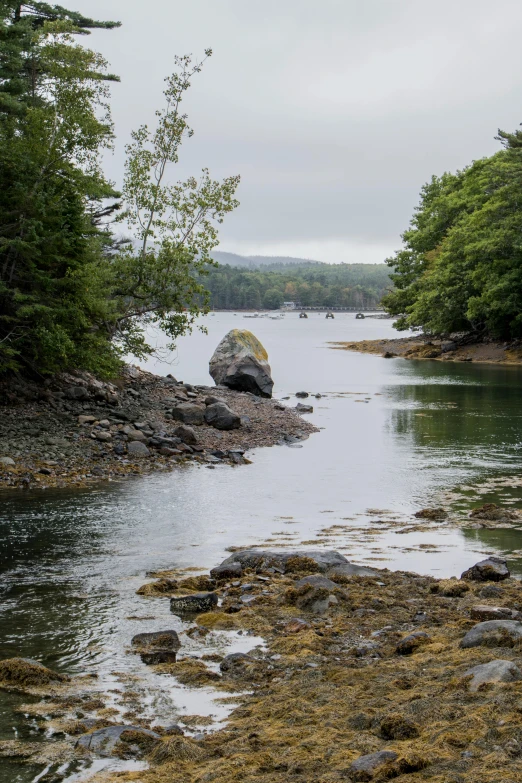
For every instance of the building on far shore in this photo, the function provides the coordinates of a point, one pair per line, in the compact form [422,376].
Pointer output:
[289,306]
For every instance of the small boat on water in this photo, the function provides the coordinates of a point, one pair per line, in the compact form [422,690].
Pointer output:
[329,315]
[303,315]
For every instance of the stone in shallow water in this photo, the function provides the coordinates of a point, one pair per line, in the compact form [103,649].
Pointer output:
[103,741]
[492,672]
[196,603]
[493,569]
[157,647]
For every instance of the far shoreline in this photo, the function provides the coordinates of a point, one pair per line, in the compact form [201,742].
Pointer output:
[423,348]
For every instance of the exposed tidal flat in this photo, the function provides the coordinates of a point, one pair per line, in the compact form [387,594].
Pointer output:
[396,437]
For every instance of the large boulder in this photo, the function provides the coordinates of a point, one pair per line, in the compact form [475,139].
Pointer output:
[240,362]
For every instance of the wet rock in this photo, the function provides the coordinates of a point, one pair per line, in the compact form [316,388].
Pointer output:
[225,572]
[300,408]
[493,633]
[137,449]
[286,561]
[367,767]
[492,672]
[346,570]
[484,612]
[189,413]
[104,741]
[412,642]
[302,394]
[493,569]
[434,514]
[240,362]
[236,664]
[26,672]
[317,580]
[186,434]
[490,512]
[197,603]
[157,647]
[220,416]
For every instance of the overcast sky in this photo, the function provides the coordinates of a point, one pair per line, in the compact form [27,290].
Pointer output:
[334,112]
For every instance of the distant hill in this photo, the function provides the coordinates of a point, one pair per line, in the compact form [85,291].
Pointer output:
[254,262]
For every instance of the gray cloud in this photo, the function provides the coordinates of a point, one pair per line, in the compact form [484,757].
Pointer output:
[334,112]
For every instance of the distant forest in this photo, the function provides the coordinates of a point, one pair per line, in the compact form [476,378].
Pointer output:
[317,285]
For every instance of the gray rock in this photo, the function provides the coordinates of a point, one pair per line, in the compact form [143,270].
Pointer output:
[137,449]
[240,362]
[493,569]
[366,767]
[316,600]
[349,569]
[195,603]
[77,393]
[494,671]
[263,559]
[302,394]
[186,434]
[6,461]
[134,434]
[103,741]
[484,612]
[189,413]
[300,408]
[157,647]
[210,400]
[493,633]
[317,580]
[224,572]
[86,419]
[103,436]
[220,416]
[236,663]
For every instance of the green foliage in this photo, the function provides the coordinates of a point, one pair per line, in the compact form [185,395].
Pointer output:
[461,267]
[313,285]
[176,225]
[71,296]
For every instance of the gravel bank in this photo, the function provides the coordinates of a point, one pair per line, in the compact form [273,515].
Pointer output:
[76,429]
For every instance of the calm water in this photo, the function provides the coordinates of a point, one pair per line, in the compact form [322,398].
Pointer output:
[396,436]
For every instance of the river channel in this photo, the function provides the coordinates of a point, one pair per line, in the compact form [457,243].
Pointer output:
[396,436]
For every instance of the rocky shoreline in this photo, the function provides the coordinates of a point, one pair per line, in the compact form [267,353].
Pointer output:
[74,429]
[419,347]
[365,675]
